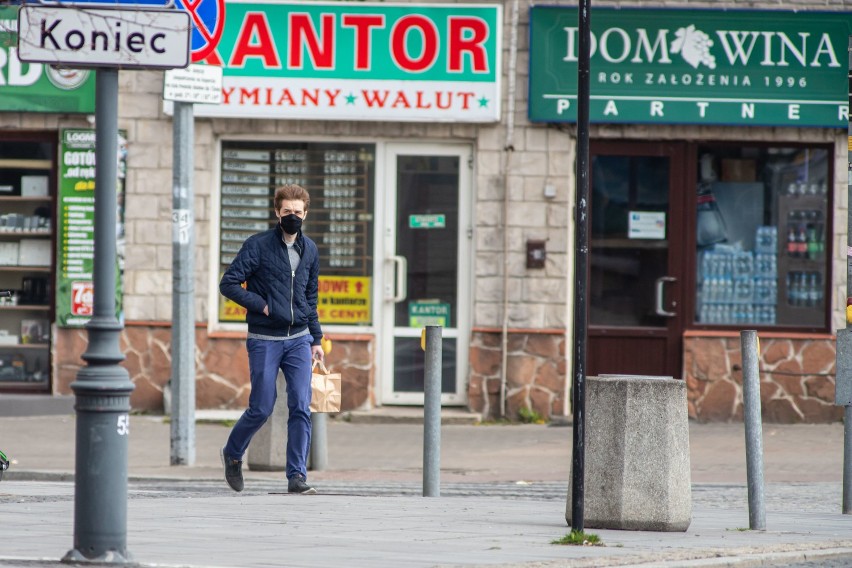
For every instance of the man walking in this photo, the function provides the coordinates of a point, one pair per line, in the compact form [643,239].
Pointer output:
[280,268]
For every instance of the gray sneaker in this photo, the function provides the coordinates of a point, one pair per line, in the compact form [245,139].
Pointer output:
[233,471]
[300,486]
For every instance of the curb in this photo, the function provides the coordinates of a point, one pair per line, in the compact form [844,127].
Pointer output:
[746,560]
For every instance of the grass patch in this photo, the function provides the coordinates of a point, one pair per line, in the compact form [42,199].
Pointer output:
[530,416]
[579,538]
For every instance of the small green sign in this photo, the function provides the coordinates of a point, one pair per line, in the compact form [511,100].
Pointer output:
[36,87]
[427,221]
[430,312]
[668,66]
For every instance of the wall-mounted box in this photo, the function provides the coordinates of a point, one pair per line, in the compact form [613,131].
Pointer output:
[536,254]
[33,186]
[34,252]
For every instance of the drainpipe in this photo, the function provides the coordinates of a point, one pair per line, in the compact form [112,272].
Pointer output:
[508,149]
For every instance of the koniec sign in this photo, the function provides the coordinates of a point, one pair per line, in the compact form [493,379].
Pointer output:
[660,66]
[359,61]
[127,38]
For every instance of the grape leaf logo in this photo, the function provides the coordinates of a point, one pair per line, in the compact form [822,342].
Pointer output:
[694,46]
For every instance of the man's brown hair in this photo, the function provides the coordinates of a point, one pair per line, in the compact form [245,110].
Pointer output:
[291,192]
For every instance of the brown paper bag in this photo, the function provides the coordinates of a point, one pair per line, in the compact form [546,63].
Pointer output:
[325,389]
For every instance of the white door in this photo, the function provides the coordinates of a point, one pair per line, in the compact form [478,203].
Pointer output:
[426,241]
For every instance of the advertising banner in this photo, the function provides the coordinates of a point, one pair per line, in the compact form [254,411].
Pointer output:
[358,61]
[34,87]
[738,67]
[76,227]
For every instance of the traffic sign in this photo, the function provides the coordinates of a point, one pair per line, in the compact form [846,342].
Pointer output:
[142,39]
[208,23]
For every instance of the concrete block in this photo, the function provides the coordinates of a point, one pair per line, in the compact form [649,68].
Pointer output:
[637,474]
[268,448]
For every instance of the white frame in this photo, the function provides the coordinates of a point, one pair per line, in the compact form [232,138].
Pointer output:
[461,332]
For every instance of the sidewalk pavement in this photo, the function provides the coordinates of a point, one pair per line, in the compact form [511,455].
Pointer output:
[503,500]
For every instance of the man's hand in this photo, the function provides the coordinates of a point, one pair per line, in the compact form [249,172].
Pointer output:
[266,310]
[317,353]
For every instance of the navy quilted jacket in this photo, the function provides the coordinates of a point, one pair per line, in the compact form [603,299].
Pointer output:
[264,265]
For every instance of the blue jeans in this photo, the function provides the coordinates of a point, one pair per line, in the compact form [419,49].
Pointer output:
[293,357]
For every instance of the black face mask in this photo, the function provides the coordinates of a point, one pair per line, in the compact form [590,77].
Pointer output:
[290,224]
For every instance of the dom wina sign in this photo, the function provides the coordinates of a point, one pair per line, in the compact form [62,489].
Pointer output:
[740,67]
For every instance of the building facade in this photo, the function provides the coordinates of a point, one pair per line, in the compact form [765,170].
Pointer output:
[439,147]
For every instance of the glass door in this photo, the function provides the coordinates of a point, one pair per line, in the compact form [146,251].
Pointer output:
[636,266]
[427,255]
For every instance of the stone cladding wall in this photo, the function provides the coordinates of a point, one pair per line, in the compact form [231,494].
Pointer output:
[221,380]
[796,379]
[535,374]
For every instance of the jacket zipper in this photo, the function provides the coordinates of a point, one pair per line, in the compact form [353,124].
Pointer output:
[292,285]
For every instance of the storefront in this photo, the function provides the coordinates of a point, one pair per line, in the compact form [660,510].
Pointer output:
[717,152]
[438,146]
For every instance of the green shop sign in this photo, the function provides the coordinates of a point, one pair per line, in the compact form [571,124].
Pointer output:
[428,312]
[76,227]
[740,67]
[33,87]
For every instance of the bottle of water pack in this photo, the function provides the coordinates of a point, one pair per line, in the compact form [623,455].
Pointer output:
[766,240]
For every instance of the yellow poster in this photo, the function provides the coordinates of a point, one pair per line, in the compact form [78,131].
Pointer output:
[231,311]
[344,299]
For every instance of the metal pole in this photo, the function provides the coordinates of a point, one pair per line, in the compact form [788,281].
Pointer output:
[102,387]
[753,430]
[319,441]
[581,247]
[432,414]
[183,289]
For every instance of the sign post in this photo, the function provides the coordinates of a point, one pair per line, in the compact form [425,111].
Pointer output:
[197,83]
[105,39]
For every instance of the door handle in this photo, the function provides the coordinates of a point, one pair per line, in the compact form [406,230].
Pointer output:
[658,304]
[399,289]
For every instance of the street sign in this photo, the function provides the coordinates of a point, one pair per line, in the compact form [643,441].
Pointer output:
[195,84]
[145,39]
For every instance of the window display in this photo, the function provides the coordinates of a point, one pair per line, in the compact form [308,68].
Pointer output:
[762,230]
[340,179]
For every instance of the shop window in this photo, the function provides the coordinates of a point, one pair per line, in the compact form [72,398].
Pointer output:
[27,170]
[340,180]
[763,231]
